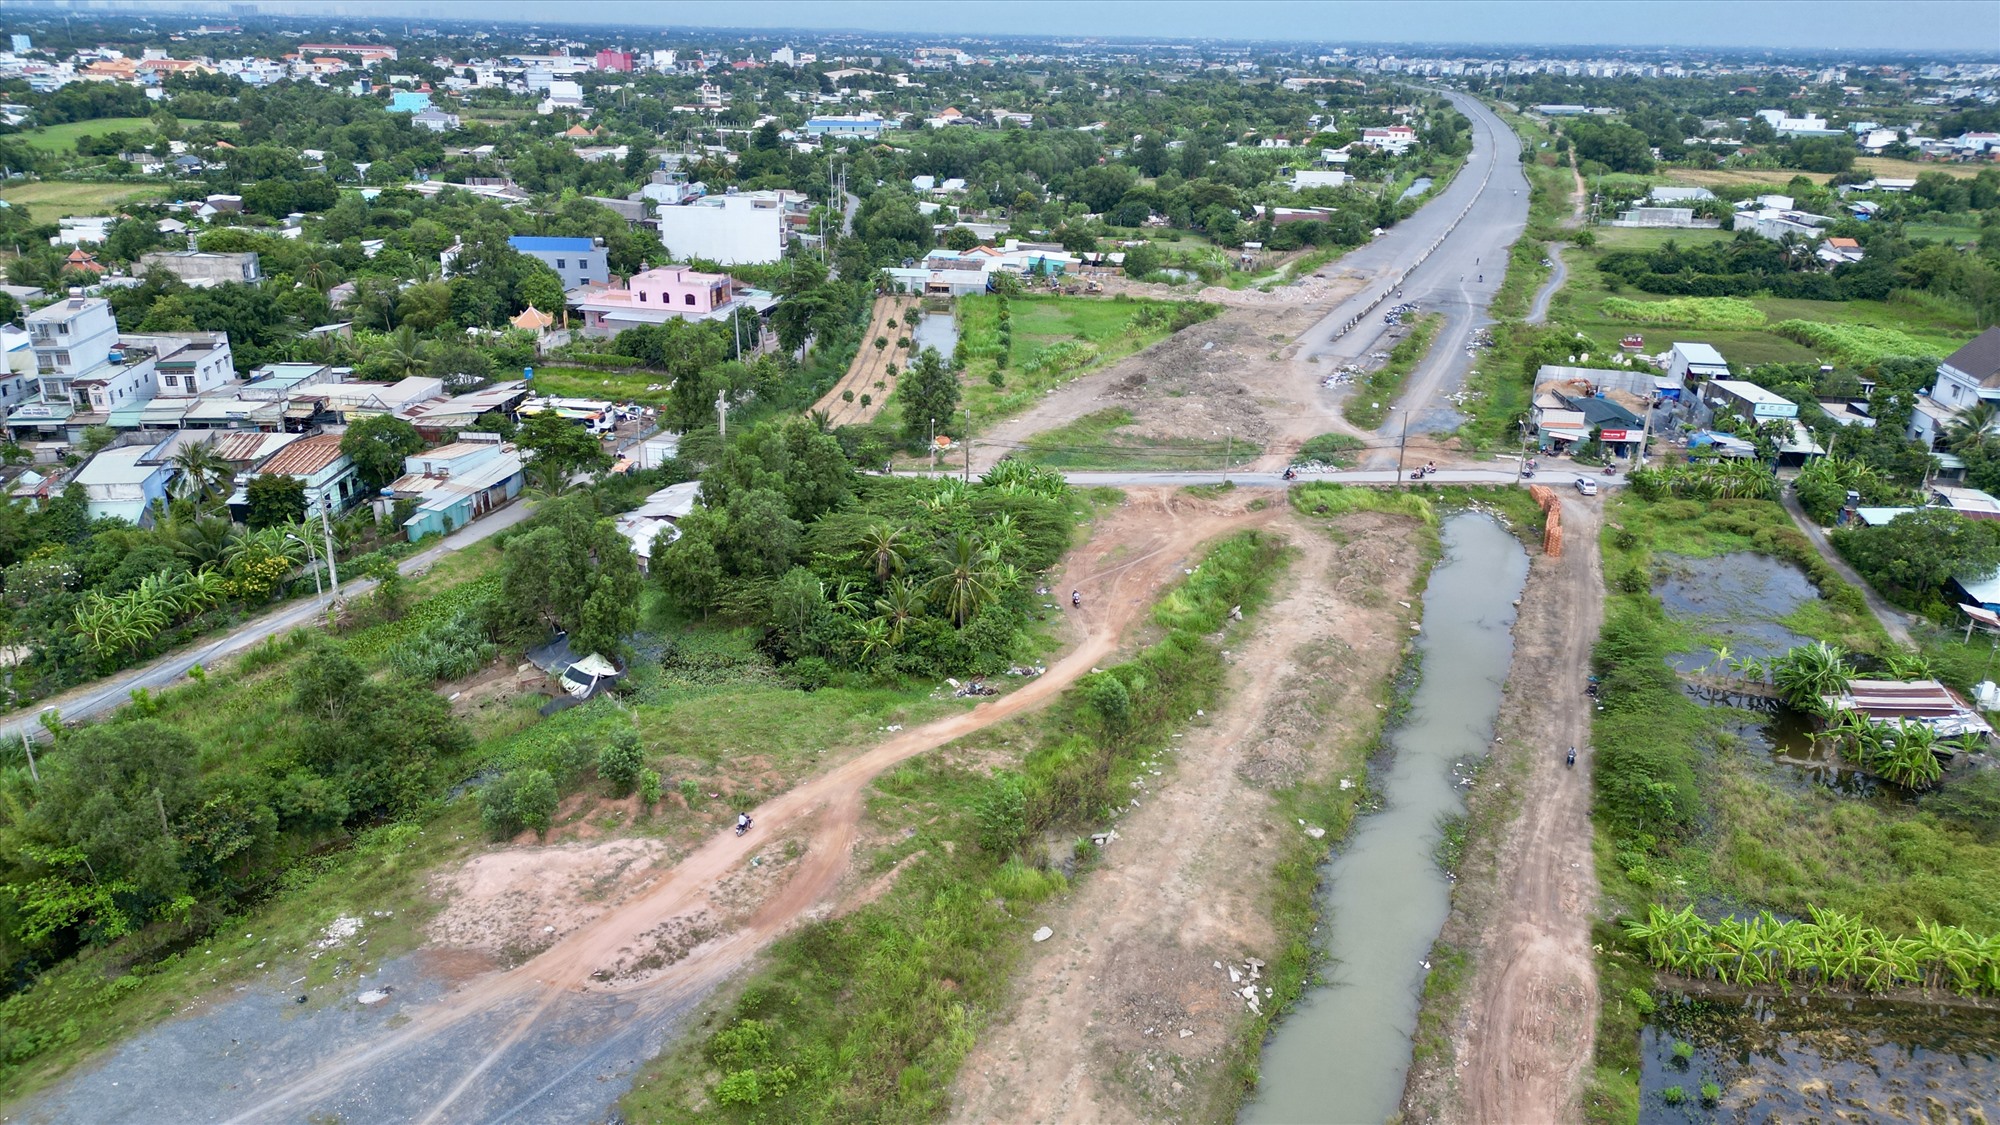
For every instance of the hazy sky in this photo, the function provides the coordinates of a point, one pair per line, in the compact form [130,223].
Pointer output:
[1890,25]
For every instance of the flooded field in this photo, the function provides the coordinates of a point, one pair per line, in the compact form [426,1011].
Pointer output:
[1341,1056]
[1740,599]
[1815,1059]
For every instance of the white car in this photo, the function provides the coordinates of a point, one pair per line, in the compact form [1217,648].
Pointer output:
[1586,486]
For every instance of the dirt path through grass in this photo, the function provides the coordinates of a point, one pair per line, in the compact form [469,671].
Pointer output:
[1123,1016]
[534,1040]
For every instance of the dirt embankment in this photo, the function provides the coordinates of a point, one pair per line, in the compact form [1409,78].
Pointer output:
[1523,1026]
[1129,1012]
[1229,374]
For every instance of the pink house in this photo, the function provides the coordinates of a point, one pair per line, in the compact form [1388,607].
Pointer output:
[655,297]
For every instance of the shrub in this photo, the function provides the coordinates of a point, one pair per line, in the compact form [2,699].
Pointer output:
[1674,1095]
[1710,1093]
[620,760]
[522,798]
[649,787]
[1002,814]
[444,650]
[1328,449]
[1687,312]
[1859,344]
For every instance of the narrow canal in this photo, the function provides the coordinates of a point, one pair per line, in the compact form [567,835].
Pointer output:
[1341,1055]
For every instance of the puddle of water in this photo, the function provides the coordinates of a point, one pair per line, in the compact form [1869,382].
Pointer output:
[937,330]
[1818,1059]
[1800,763]
[1422,185]
[1739,598]
[1342,1054]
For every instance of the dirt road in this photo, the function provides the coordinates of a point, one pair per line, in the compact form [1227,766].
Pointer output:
[595,1003]
[1123,1016]
[1525,1031]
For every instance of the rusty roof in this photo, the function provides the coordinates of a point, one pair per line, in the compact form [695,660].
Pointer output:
[304,457]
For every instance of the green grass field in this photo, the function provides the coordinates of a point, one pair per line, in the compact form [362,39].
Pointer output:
[62,138]
[588,382]
[1097,441]
[48,200]
[1040,322]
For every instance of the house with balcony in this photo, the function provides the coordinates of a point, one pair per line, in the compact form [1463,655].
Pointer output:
[655,297]
[1966,378]
[188,363]
[81,373]
[330,477]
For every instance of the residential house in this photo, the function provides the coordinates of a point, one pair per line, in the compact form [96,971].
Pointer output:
[1303,178]
[353,401]
[74,341]
[187,363]
[436,120]
[578,261]
[80,230]
[409,101]
[201,269]
[1691,363]
[662,512]
[1967,377]
[454,484]
[120,484]
[330,477]
[1748,401]
[436,419]
[655,297]
[1839,251]
[1393,139]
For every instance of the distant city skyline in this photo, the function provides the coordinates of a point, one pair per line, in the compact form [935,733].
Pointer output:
[1951,26]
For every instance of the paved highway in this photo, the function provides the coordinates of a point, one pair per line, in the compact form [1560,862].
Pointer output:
[1449,257]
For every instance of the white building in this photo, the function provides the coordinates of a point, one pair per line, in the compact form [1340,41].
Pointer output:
[1688,363]
[1303,178]
[730,229]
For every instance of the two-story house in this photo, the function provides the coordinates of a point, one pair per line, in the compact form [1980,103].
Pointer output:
[454,484]
[655,297]
[578,261]
[1967,377]
[187,363]
[122,484]
[330,477]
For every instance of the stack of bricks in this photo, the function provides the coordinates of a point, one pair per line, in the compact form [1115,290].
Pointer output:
[1552,532]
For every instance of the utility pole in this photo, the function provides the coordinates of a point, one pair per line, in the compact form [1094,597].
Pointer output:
[1228,448]
[722,414]
[968,446]
[1400,443]
[934,447]
[162,807]
[28,744]
[326,528]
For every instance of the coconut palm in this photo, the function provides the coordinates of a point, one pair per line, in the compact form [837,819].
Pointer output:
[404,354]
[203,541]
[883,546]
[202,471]
[967,581]
[901,603]
[1972,428]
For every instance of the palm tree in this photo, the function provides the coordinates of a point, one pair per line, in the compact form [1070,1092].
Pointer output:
[884,546]
[202,470]
[899,605]
[966,584]
[405,355]
[203,541]
[1972,427]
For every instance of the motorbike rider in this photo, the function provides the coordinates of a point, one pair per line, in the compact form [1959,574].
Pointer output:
[1572,756]
[742,822]
[1076,599]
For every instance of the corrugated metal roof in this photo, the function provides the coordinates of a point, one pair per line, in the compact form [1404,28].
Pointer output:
[304,457]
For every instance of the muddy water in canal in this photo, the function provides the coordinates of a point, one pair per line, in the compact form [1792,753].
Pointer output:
[1342,1054]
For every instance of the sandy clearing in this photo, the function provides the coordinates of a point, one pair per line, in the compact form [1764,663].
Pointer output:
[870,366]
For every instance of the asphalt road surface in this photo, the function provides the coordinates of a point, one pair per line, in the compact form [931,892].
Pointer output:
[95,699]
[1449,257]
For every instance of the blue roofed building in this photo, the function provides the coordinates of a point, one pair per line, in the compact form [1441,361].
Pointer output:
[578,261]
[409,101]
